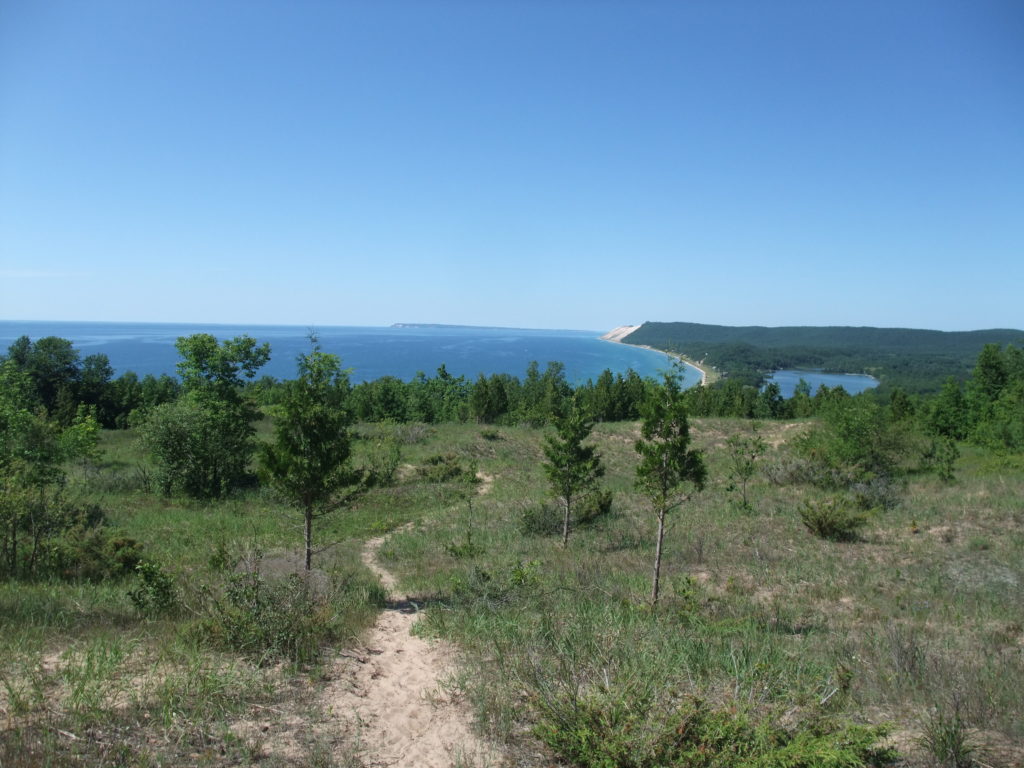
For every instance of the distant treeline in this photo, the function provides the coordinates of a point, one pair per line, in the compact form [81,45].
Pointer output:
[989,406]
[917,361]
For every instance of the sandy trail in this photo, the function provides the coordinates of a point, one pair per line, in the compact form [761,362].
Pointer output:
[396,701]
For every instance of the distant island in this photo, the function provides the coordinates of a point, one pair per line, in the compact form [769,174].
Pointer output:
[915,360]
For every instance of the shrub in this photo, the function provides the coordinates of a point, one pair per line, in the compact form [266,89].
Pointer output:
[155,594]
[495,587]
[594,506]
[200,449]
[945,737]
[832,519]
[71,542]
[271,620]
[877,493]
[442,469]
[603,731]
[382,458]
[290,619]
[546,519]
[540,520]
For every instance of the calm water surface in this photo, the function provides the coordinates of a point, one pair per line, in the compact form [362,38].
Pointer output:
[369,352]
[854,383]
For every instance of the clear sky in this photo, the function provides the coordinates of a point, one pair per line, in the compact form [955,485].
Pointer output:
[537,163]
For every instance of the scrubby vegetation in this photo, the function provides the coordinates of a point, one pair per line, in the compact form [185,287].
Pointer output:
[844,591]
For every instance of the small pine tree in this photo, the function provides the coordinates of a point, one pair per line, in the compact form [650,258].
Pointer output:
[307,461]
[667,463]
[572,468]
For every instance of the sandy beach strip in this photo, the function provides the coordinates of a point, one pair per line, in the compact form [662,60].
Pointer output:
[621,332]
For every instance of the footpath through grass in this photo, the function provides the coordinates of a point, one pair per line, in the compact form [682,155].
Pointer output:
[770,646]
[766,634]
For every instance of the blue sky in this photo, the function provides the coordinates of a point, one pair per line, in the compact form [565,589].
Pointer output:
[533,163]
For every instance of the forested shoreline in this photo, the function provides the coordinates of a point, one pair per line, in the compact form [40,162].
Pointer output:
[917,361]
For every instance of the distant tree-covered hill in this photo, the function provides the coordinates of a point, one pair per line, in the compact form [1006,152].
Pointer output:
[915,360]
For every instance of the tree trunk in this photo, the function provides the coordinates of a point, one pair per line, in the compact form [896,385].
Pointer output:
[565,521]
[309,537]
[657,556]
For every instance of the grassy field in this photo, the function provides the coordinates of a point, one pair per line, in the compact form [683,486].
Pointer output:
[762,627]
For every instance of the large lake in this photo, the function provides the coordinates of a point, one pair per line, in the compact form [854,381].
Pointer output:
[369,352]
[854,383]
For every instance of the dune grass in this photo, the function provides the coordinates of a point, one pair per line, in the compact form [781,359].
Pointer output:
[765,634]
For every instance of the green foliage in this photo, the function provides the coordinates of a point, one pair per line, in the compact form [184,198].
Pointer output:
[88,550]
[744,452]
[155,594]
[219,368]
[946,738]
[915,360]
[466,548]
[443,468]
[202,443]
[667,463]
[493,587]
[197,448]
[572,468]
[605,731]
[545,519]
[833,519]
[48,536]
[540,520]
[947,415]
[289,619]
[383,455]
[307,462]
[593,506]
[946,456]
[33,452]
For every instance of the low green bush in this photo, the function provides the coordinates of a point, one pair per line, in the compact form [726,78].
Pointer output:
[540,520]
[442,468]
[155,593]
[288,619]
[545,519]
[832,519]
[603,731]
[594,507]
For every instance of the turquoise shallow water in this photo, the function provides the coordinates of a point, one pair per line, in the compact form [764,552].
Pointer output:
[369,352]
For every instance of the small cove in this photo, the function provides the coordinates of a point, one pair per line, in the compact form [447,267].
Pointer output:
[854,383]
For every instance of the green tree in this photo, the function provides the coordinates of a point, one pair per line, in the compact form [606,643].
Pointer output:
[668,465]
[948,415]
[220,367]
[572,468]
[33,449]
[203,442]
[307,462]
[743,452]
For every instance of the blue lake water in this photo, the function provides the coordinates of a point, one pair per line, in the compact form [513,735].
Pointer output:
[853,383]
[369,352]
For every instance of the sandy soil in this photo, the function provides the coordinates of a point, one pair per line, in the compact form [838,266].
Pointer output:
[394,697]
[618,334]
